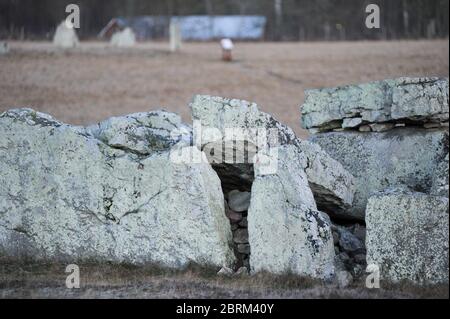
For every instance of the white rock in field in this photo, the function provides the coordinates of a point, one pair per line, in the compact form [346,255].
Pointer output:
[286,231]
[66,195]
[65,37]
[124,38]
[407,236]
[440,179]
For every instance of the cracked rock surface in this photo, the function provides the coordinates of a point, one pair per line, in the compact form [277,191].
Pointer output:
[109,193]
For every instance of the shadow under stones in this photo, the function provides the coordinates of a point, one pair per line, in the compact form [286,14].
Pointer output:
[237,180]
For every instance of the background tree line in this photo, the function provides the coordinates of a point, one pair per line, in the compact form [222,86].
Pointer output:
[286,19]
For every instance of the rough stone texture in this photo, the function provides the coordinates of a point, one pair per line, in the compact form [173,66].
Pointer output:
[65,37]
[352,122]
[381,127]
[349,242]
[143,133]
[403,156]
[333,186]
[331,183]
[440,179]
[66,195]
[241,236]
[124,38]
[407,236]
[411,99]
[286,232]
[239,201]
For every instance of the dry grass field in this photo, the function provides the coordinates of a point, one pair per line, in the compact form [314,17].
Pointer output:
[96,81]
[100,281]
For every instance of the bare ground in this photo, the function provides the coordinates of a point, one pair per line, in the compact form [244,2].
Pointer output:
[100,281]
[94,82]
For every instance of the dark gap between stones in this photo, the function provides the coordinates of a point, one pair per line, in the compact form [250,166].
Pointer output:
[237,180]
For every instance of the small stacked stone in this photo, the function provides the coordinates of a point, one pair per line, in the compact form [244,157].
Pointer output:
[236,209]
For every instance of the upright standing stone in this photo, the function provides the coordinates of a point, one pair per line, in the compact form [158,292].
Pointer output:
[65,37]
[124,38]
[67,193]
[175,36]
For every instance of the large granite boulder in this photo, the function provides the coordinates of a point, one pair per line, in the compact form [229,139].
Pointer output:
[67,193]
[417,101]
[332,185]
[286,231]
[403,156]
[407,236]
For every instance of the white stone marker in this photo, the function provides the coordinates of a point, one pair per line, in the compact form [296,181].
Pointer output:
[65,37]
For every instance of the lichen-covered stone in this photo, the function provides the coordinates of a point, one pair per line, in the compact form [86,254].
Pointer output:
[404,156]
[239,201]
[66,195]
[143,133]
[333,186]
[407,236]
[4,48]
[286,232]
[412,99]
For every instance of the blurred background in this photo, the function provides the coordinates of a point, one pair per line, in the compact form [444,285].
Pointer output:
[287,20]
[282,47]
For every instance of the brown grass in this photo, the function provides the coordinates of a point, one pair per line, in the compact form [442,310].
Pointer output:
[95,82]
[47,280]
